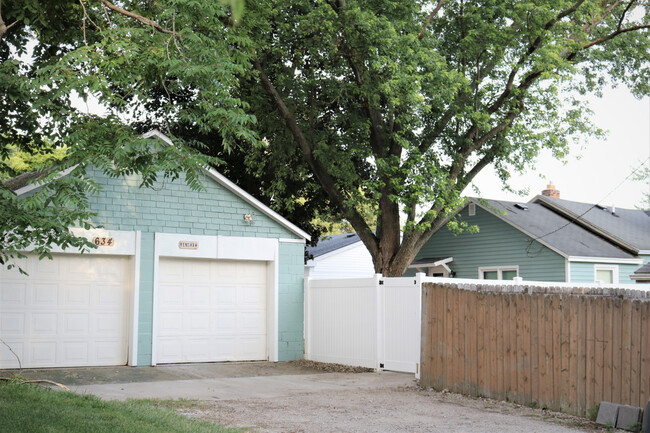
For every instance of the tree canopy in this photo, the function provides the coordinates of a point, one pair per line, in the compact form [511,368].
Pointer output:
[127,56]
[387,106]
[403,103]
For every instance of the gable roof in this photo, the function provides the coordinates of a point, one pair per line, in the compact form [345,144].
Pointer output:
[22,186]
[627,228]
[329,243]
[553,230]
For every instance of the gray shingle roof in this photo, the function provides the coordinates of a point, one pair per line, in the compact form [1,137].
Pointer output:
[327,244]
[645,269]
[554,230]
[631,226]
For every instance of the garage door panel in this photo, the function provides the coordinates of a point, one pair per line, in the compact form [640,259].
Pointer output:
[13,293]
[12,324]
[44,324]
[198,295]
[45,294]
[252,322]
[203,319]
[43,353]
[224,295]
[67,310]
[7,359]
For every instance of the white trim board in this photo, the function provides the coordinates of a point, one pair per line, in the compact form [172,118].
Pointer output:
[605,260]
[37,184]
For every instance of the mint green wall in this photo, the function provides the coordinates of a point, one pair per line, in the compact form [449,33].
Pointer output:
[584,272]
[291,302]
[172,207]
[496,244]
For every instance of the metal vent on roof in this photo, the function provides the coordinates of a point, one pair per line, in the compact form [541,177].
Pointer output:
[521,206]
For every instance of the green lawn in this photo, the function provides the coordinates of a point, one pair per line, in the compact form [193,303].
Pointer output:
[26,408]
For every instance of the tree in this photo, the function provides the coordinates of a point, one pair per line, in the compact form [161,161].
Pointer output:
[401,104]
[121,55]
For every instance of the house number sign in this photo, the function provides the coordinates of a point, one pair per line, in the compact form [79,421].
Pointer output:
[103,242]
[188,245]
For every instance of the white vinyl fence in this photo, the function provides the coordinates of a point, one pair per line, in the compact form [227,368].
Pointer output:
[370,322]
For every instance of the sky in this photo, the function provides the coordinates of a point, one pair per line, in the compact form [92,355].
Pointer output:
[596,172]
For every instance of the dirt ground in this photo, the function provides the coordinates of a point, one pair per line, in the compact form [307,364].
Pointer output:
[406,409]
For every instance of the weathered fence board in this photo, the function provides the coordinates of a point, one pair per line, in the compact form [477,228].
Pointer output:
[565,349]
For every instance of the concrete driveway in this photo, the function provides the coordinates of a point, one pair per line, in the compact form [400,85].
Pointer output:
[218,381]
[287,397]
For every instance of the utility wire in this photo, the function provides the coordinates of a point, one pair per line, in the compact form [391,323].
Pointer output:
[530,243]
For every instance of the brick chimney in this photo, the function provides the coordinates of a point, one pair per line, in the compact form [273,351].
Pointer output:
[550,191]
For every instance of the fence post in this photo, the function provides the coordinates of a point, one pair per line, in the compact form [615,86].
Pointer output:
[379,320]
[419,279]
[306,315]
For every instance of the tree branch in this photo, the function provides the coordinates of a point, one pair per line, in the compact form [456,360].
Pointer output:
[324,178]
[143,20]
[613,35]
[3,26]
[430,17]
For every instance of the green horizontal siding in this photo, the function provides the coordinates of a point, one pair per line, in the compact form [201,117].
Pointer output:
[496,244]
[585,272]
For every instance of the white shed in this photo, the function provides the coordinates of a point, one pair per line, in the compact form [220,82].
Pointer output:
[339,256]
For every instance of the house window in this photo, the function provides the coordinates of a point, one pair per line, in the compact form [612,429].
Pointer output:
[471,209]
[606,274]
[498,273]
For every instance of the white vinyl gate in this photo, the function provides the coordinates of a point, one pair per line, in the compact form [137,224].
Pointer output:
[369,322]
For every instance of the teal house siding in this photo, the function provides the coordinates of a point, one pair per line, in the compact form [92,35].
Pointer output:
[145,306]
[585,272]
[172,207]
[496,244]
[291,303]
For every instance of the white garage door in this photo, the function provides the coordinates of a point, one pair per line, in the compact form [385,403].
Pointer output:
[70,311]
[210,310]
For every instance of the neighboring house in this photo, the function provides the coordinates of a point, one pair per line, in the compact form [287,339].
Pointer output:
[339,256]
[642,275]
[547,239]
[179,276]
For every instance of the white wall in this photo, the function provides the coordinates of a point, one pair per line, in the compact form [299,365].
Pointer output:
[353,261]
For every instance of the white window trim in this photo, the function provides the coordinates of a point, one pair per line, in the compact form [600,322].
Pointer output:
[471,209]
[613,268]
[499,270]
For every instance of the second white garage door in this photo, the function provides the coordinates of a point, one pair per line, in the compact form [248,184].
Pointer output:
[211,310]
[70,311]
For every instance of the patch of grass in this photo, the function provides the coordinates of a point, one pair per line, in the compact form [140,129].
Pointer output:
[27,408]
[592,413]
[532,404]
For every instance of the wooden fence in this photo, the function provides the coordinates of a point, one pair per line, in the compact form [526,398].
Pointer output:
[564,349]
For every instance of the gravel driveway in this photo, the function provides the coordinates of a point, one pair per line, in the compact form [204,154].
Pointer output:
[404,409]
[304,396]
